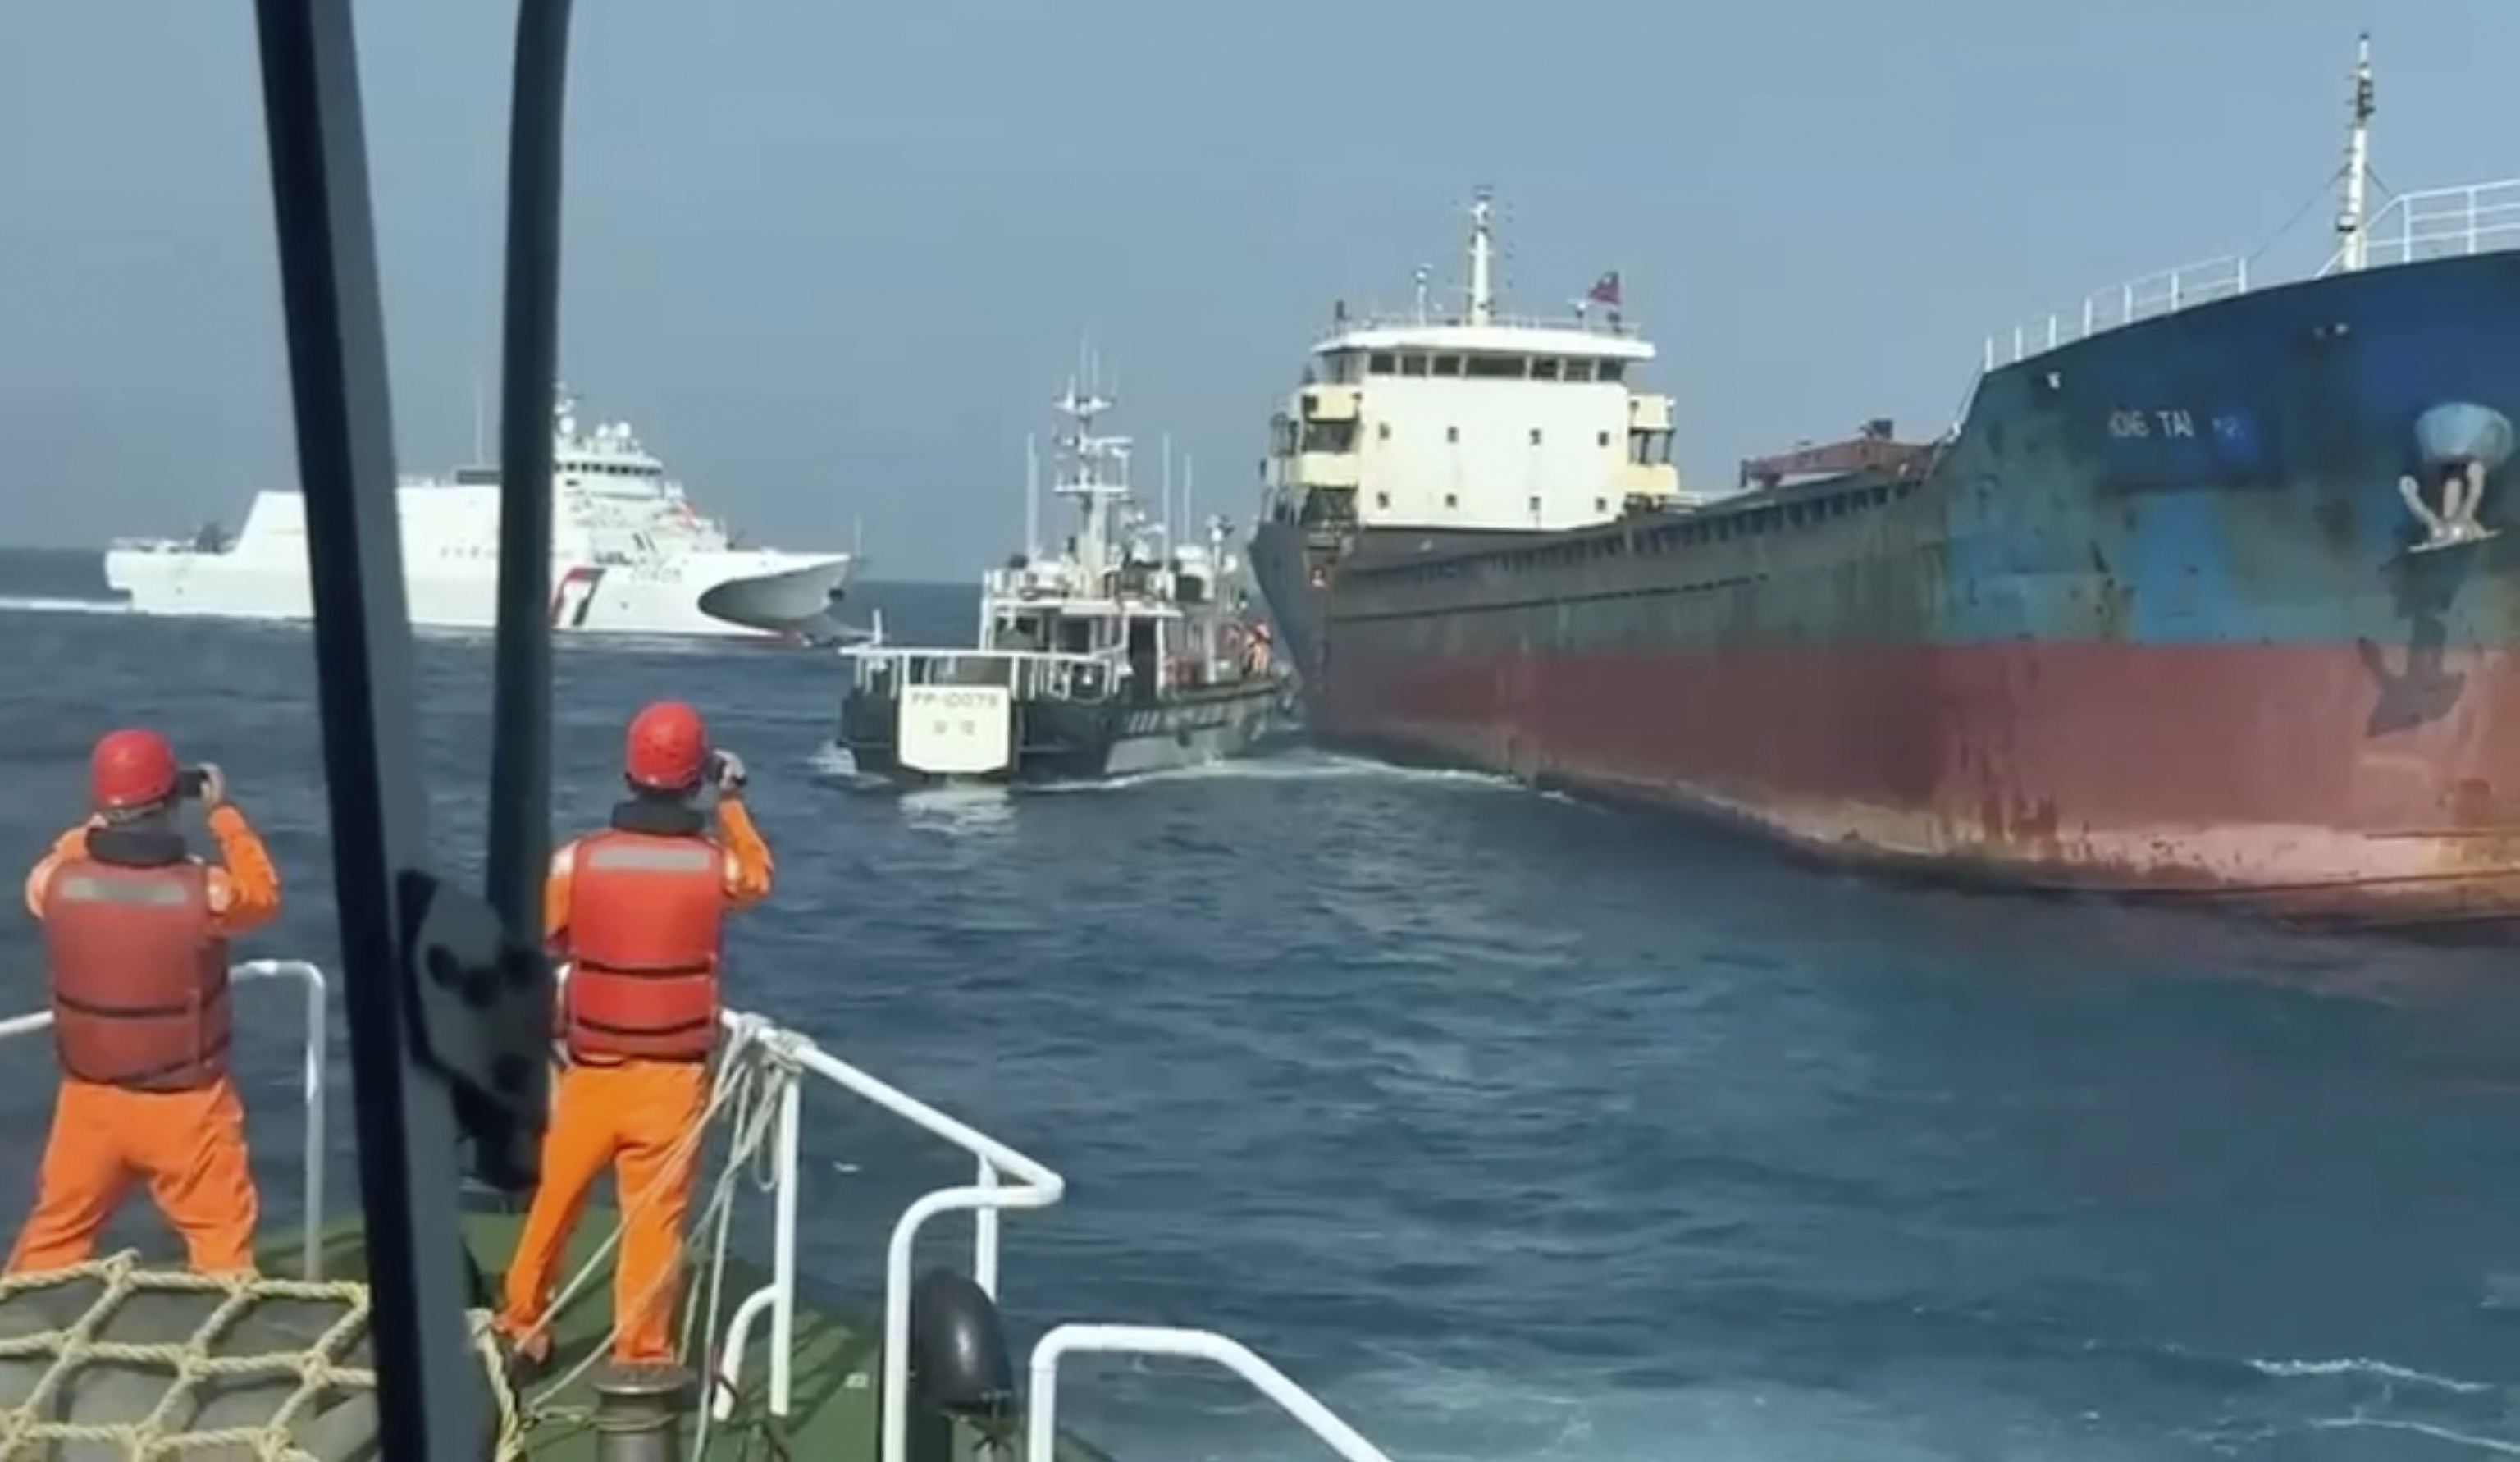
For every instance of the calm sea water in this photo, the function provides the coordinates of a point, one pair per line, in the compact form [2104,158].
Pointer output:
[1515,1129]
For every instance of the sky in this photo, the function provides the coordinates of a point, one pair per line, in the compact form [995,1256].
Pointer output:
[834,261]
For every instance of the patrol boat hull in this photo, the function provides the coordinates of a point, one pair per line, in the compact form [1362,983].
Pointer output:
[2156,620]
[942,734]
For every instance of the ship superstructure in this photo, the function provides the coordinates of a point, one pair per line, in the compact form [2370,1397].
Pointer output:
[1459,425]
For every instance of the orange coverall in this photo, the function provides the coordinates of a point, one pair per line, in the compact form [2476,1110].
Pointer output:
[631,1117]
[190,1145]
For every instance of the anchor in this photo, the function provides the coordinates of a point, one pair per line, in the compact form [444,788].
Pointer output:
[2459,443]
[2462,486]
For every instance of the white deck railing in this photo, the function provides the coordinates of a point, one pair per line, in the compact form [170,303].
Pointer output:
[1003,1178]
[2436,224]
[2137,300]
[2440,223]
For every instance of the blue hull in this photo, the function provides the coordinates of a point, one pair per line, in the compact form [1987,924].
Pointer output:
[2152,620]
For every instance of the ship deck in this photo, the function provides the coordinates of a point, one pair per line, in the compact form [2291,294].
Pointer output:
[135,1351]
[832,1413]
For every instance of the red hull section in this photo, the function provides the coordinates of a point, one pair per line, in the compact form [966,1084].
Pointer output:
[2328,783]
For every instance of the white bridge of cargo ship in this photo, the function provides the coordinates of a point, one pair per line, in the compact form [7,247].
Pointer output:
[785,1066]
[630,556]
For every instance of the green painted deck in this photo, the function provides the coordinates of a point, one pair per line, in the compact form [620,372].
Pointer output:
[838,1379]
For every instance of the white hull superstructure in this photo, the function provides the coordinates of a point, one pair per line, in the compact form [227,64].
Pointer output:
[629,556]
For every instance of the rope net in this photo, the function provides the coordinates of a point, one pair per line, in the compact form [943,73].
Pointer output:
[115,1358]
[110,1358]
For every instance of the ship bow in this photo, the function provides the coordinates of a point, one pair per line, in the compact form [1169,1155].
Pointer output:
[797,600]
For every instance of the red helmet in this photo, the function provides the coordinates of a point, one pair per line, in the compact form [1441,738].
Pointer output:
[131,769]
[667,747]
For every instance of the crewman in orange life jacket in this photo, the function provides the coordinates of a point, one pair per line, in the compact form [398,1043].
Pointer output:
[136,934]
[638,911]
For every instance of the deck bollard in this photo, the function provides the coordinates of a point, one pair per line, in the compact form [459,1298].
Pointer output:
[639,1411]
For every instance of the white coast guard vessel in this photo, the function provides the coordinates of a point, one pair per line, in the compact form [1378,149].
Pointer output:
[629,555]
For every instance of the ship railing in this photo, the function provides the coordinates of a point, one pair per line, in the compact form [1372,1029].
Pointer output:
[1603,324]
[1027,674]
[150,545]
[2440,223]
[2153,296]
[1003,1178]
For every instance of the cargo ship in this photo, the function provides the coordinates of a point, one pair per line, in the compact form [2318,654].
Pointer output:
[2206,595]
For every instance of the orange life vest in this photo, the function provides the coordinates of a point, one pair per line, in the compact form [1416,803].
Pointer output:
[645,912]
[140,979]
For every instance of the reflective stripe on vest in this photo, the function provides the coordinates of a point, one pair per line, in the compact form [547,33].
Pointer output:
[139,983]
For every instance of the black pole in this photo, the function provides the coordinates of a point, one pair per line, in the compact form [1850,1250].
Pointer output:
[520,830]
[520,753]
[427,1394]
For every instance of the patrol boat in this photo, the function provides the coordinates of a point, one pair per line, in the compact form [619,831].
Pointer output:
[1128,650]
[355,1339]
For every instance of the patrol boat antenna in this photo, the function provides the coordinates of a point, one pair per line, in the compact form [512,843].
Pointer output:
[1093,470]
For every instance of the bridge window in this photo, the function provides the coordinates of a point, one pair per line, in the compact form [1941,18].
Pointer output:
[1384,363]
[1579,370]
[1448,365]
[1346,367]
[1413,363]
[1494,367]
[1609,370]
[1330,437]
[1544,368]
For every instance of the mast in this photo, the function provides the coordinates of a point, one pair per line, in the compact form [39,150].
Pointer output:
[1091,471]
[2354,250]
[1482,261]
[1032,501]
[447,998]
